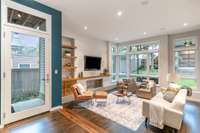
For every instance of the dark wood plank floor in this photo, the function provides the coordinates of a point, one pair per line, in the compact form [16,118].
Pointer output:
[54,122]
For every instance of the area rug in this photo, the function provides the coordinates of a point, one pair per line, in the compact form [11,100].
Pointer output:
[124,113]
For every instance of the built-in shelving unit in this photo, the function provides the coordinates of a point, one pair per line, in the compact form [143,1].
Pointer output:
[68,65]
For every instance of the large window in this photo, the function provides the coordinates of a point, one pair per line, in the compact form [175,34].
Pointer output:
[144,61]
[185,61]
[122,66]
[138,61]
[153,64]
[114,62]
[138,64]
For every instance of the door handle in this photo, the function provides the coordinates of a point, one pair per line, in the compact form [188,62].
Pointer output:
[47,78]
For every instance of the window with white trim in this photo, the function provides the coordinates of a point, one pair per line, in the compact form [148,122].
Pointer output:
[138,61]
[144,61]
[185,61]
[122,62]
[114,62]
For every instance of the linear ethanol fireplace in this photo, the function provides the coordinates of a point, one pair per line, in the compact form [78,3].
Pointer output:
[94,83]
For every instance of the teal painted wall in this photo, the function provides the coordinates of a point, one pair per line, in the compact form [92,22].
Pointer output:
[56,46]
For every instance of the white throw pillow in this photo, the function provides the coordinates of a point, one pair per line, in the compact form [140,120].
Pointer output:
[173,87]
[81,88]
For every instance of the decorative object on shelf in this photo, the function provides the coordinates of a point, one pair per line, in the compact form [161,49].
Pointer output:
[101,74]
[67,54]
[189,90]
[106,71]
[80,75]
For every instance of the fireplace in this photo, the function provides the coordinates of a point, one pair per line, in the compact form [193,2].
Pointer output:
[96,83]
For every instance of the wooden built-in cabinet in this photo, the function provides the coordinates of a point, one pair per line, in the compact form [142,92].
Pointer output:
[68,65]
[69,68]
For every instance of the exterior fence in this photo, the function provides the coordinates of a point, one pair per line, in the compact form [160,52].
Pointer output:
[25,83]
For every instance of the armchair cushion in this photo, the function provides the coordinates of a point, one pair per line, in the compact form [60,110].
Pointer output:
[80,89]
[101,95]
[88,93]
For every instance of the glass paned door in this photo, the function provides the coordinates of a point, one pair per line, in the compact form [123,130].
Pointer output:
[27,71]
[27,67]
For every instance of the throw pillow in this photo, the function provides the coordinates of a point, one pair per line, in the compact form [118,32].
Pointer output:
[173,87]
[163,90]
[169,96]
[81,89]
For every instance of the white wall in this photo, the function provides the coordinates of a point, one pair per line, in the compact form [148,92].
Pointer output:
[90,47]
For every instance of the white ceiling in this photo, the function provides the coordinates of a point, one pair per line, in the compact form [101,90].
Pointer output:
[155,17]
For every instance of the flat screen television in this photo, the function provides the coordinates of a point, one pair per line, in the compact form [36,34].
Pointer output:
[92,63]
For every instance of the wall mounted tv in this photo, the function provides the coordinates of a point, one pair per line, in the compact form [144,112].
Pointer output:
[92,63]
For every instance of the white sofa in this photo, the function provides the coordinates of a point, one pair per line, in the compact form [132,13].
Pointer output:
[173,112]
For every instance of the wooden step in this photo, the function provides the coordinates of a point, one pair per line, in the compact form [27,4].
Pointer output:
[82,122]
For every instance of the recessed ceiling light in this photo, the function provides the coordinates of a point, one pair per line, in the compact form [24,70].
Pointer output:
[144,2]
[144,33]
[119,13]
[19,15]
[85,27]
[185,24]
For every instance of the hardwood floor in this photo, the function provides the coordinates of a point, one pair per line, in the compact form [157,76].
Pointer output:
[56,122]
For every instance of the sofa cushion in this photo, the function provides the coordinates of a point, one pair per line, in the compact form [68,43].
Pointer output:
[169,96]
[163,90]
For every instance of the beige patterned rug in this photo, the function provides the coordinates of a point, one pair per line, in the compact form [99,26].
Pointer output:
[121,111]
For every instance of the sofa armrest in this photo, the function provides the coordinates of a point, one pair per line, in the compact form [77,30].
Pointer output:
[145,109]
[173,118]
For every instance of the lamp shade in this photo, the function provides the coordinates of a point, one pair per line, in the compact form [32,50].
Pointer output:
[173,77]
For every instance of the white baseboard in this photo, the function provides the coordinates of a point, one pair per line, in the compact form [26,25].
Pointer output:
[195,97]
[1,126]
[67,99]
[56,108]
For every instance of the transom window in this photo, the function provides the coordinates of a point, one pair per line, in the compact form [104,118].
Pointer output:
[23,19]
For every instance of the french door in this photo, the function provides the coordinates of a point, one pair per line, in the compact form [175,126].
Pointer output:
[27,73]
